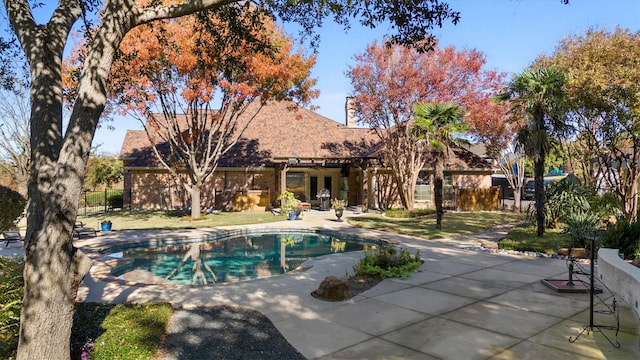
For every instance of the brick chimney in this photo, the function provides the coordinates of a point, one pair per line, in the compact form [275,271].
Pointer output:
[350,111]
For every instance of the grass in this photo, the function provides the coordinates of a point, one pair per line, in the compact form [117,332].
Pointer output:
[159,219]
[453,223]
[123,331]
[523,238]
[11,291]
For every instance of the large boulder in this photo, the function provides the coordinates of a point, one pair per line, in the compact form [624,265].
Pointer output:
[332,289]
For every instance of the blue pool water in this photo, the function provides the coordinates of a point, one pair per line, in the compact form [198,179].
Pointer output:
[225,260]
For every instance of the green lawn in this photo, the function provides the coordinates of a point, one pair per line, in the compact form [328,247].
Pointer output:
[122,331]
[453,223]
[158,219]
[524,238]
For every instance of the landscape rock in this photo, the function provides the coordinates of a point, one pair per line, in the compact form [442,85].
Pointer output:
[579,253]
[332,288]
[489,244]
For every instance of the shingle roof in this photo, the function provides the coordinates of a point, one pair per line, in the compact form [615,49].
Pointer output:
[276,133]
[279,133]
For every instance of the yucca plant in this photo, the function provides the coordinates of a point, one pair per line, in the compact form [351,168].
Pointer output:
[582,226]
[563,198]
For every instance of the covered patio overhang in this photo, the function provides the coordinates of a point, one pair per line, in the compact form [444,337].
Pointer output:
[344,164]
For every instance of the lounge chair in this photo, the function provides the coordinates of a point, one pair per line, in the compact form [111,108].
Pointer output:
[11,235]
[80,229]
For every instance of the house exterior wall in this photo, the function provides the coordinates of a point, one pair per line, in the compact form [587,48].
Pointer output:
[228,189]
[466,179]
[472,179]
[156,189]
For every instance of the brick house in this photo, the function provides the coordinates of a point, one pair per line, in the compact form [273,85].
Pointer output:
[297,150]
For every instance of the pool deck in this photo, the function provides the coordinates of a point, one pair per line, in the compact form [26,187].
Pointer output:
[462,304]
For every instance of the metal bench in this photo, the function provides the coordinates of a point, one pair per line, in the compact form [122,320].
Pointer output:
[12,235]
[79,230]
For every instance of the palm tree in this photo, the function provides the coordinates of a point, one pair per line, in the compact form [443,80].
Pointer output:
[437,124]
[538,95]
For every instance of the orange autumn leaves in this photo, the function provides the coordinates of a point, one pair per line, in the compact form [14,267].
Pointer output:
[201,62]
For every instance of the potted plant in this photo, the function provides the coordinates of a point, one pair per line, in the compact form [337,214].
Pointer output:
[105,225]
[289,204]
[338,206]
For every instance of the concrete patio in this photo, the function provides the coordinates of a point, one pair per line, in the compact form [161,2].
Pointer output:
[462,304]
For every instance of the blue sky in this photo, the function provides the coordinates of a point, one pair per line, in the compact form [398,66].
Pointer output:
[511,34]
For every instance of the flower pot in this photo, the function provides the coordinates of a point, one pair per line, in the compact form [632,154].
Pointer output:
[339,213]
[292,216]
[105,227]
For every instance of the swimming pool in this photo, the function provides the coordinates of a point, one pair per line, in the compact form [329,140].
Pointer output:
[229,259]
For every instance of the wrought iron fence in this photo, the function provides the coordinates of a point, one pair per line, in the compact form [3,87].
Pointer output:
[94,202]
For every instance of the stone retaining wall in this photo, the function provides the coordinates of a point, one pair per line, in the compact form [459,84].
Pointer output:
[620,277]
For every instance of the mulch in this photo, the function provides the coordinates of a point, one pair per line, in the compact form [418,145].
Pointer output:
[225,332]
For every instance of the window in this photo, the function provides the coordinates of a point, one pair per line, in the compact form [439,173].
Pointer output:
[423,187]
[295,184]
[447,186]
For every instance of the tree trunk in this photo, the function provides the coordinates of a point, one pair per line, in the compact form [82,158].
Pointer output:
[53,267]
[539,196]
[194,191]
[517,198]
[633,209]
[438,170]
[51,284]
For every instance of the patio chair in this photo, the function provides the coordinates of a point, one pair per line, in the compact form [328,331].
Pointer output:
[12,234]
[80,229]
[304,205]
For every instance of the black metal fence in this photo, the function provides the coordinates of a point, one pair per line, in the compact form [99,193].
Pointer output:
[95,202]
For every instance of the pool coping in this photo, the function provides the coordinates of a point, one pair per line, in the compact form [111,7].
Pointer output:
[103,265]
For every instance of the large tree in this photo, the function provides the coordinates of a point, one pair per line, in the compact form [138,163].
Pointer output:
[441,126]
[511,162]
[53,266]
[14,133]
[538,95]
[389,80]
[103,170]
[194,103]
[604,92]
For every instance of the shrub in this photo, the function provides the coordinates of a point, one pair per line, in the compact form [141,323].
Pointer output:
[624,236]
[582,226]
[563,198]
[12,205]
[11,291]
[388,262]
[605,205]
[115,201]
